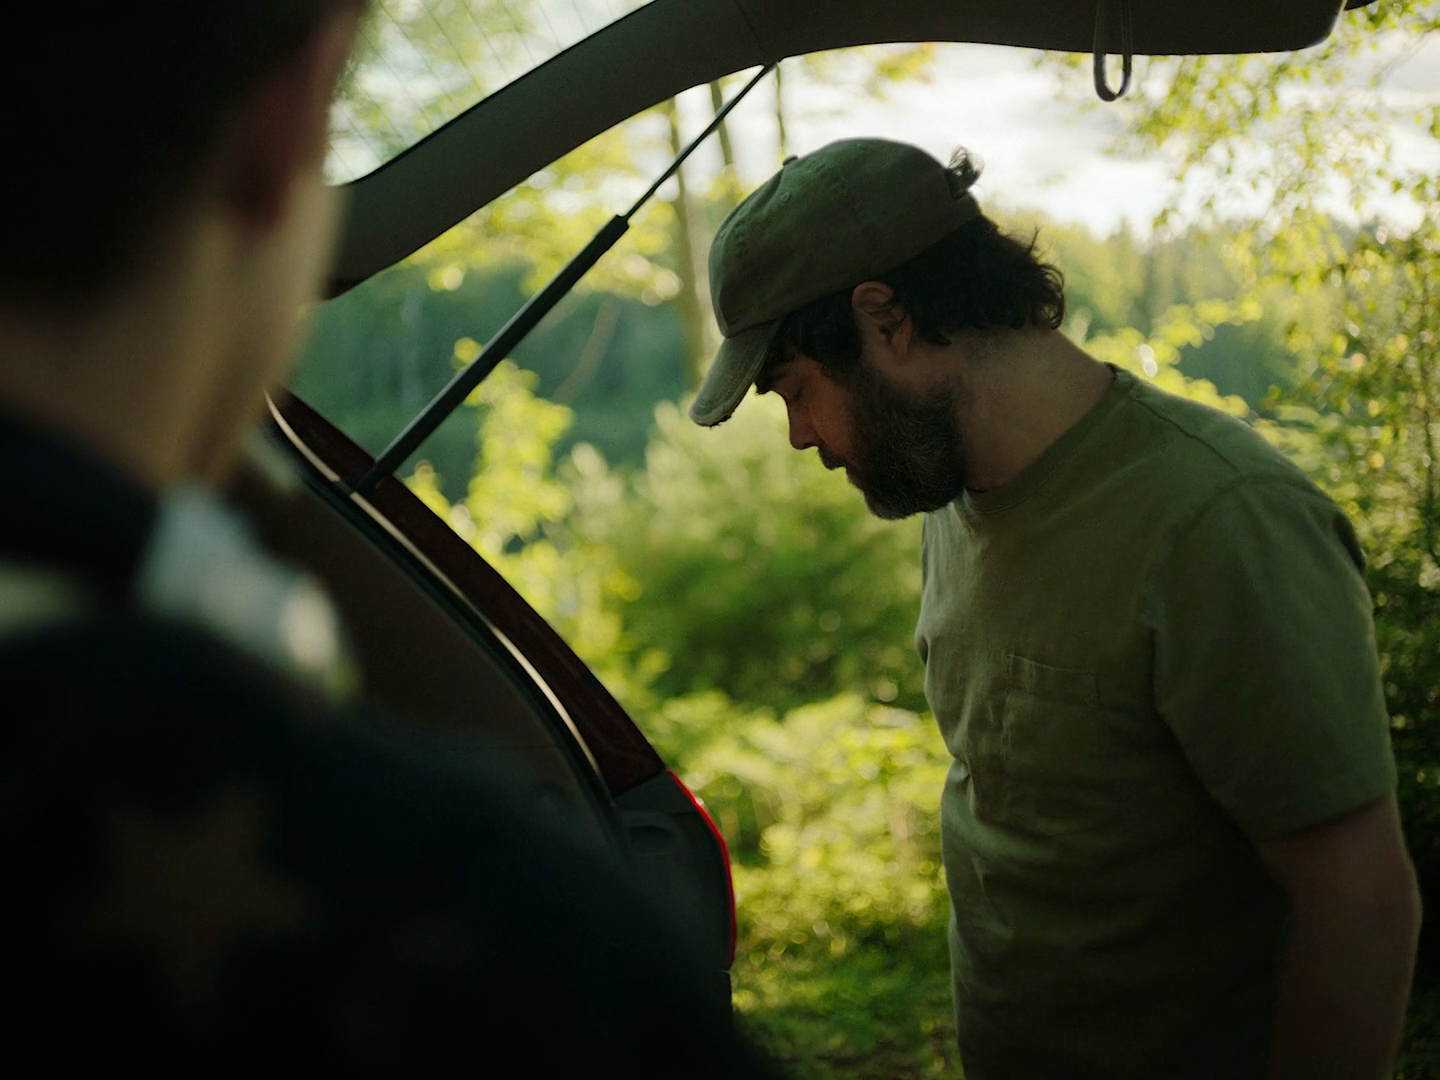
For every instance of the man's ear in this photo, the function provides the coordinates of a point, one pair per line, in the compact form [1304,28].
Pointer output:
[280,132]
[882,322]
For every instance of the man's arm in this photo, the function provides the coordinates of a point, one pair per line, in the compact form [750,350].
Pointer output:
[1355,920]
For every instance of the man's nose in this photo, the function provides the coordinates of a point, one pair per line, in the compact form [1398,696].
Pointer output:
[802,434]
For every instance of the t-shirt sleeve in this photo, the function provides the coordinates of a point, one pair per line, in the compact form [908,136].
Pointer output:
[1265,659]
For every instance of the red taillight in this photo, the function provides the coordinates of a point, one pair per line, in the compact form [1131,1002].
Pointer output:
[724,857]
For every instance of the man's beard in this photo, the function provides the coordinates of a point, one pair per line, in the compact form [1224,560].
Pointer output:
[907,457]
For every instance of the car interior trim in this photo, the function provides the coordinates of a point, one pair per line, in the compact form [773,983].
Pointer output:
[610,739]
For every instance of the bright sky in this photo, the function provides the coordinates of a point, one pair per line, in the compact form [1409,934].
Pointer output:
[1042,148]
[1040,151]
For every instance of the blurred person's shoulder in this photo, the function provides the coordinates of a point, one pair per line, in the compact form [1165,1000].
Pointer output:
[213,858]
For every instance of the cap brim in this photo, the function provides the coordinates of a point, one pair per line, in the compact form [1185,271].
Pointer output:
[731,374]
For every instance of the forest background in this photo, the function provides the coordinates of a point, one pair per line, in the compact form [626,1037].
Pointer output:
[738,599]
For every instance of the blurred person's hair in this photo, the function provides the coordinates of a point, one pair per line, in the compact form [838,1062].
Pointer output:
[975,278]
[113,110]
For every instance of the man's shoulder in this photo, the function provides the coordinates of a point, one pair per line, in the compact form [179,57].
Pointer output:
[1190,429]
[1213,442]
[1192,453]
[1215,469]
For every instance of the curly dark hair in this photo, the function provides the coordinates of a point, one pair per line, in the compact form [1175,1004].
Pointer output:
[974,278]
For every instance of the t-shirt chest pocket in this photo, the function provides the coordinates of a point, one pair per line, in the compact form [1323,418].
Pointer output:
[1055,773]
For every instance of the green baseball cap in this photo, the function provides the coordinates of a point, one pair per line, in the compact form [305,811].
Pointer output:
[827,221]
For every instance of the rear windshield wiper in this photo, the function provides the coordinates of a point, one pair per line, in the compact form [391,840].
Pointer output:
[523,321]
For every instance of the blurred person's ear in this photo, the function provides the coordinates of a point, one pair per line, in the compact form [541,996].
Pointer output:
[279,132]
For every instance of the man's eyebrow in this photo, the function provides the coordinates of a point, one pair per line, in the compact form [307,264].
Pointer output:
[770,374]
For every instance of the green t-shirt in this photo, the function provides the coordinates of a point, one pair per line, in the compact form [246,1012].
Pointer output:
[1147,651]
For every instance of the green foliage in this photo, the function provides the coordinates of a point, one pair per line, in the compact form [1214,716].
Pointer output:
[1376,379]
[831,814]
[1155,356]
[873,70]
[879,1011]
[1119,283]
[1283,128]
[545,220]
[377,354]
[1105,280]
[759,574]
[843,785]
[437,46]
[516,514]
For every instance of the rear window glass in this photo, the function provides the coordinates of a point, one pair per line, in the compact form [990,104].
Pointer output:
[420,63]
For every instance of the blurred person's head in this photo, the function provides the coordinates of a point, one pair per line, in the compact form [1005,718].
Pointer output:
[166,216]
[115,112]
[845,256]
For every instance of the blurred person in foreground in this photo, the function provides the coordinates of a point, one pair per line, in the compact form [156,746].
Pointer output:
[1170,831]
[207,867]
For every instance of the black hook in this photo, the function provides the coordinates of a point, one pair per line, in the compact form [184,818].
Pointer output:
[1103,10]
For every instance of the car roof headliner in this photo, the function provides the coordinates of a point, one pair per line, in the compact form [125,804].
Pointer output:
[671,45]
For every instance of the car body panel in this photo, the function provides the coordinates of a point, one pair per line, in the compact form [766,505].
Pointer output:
[446,643]
[619,753]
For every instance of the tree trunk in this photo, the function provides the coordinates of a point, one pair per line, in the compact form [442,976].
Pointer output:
[693,312]
[727,148]
[780,114]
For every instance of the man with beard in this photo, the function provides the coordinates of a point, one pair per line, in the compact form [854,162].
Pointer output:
[1169,829]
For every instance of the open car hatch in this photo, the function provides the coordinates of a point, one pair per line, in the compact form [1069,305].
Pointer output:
[668,46]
